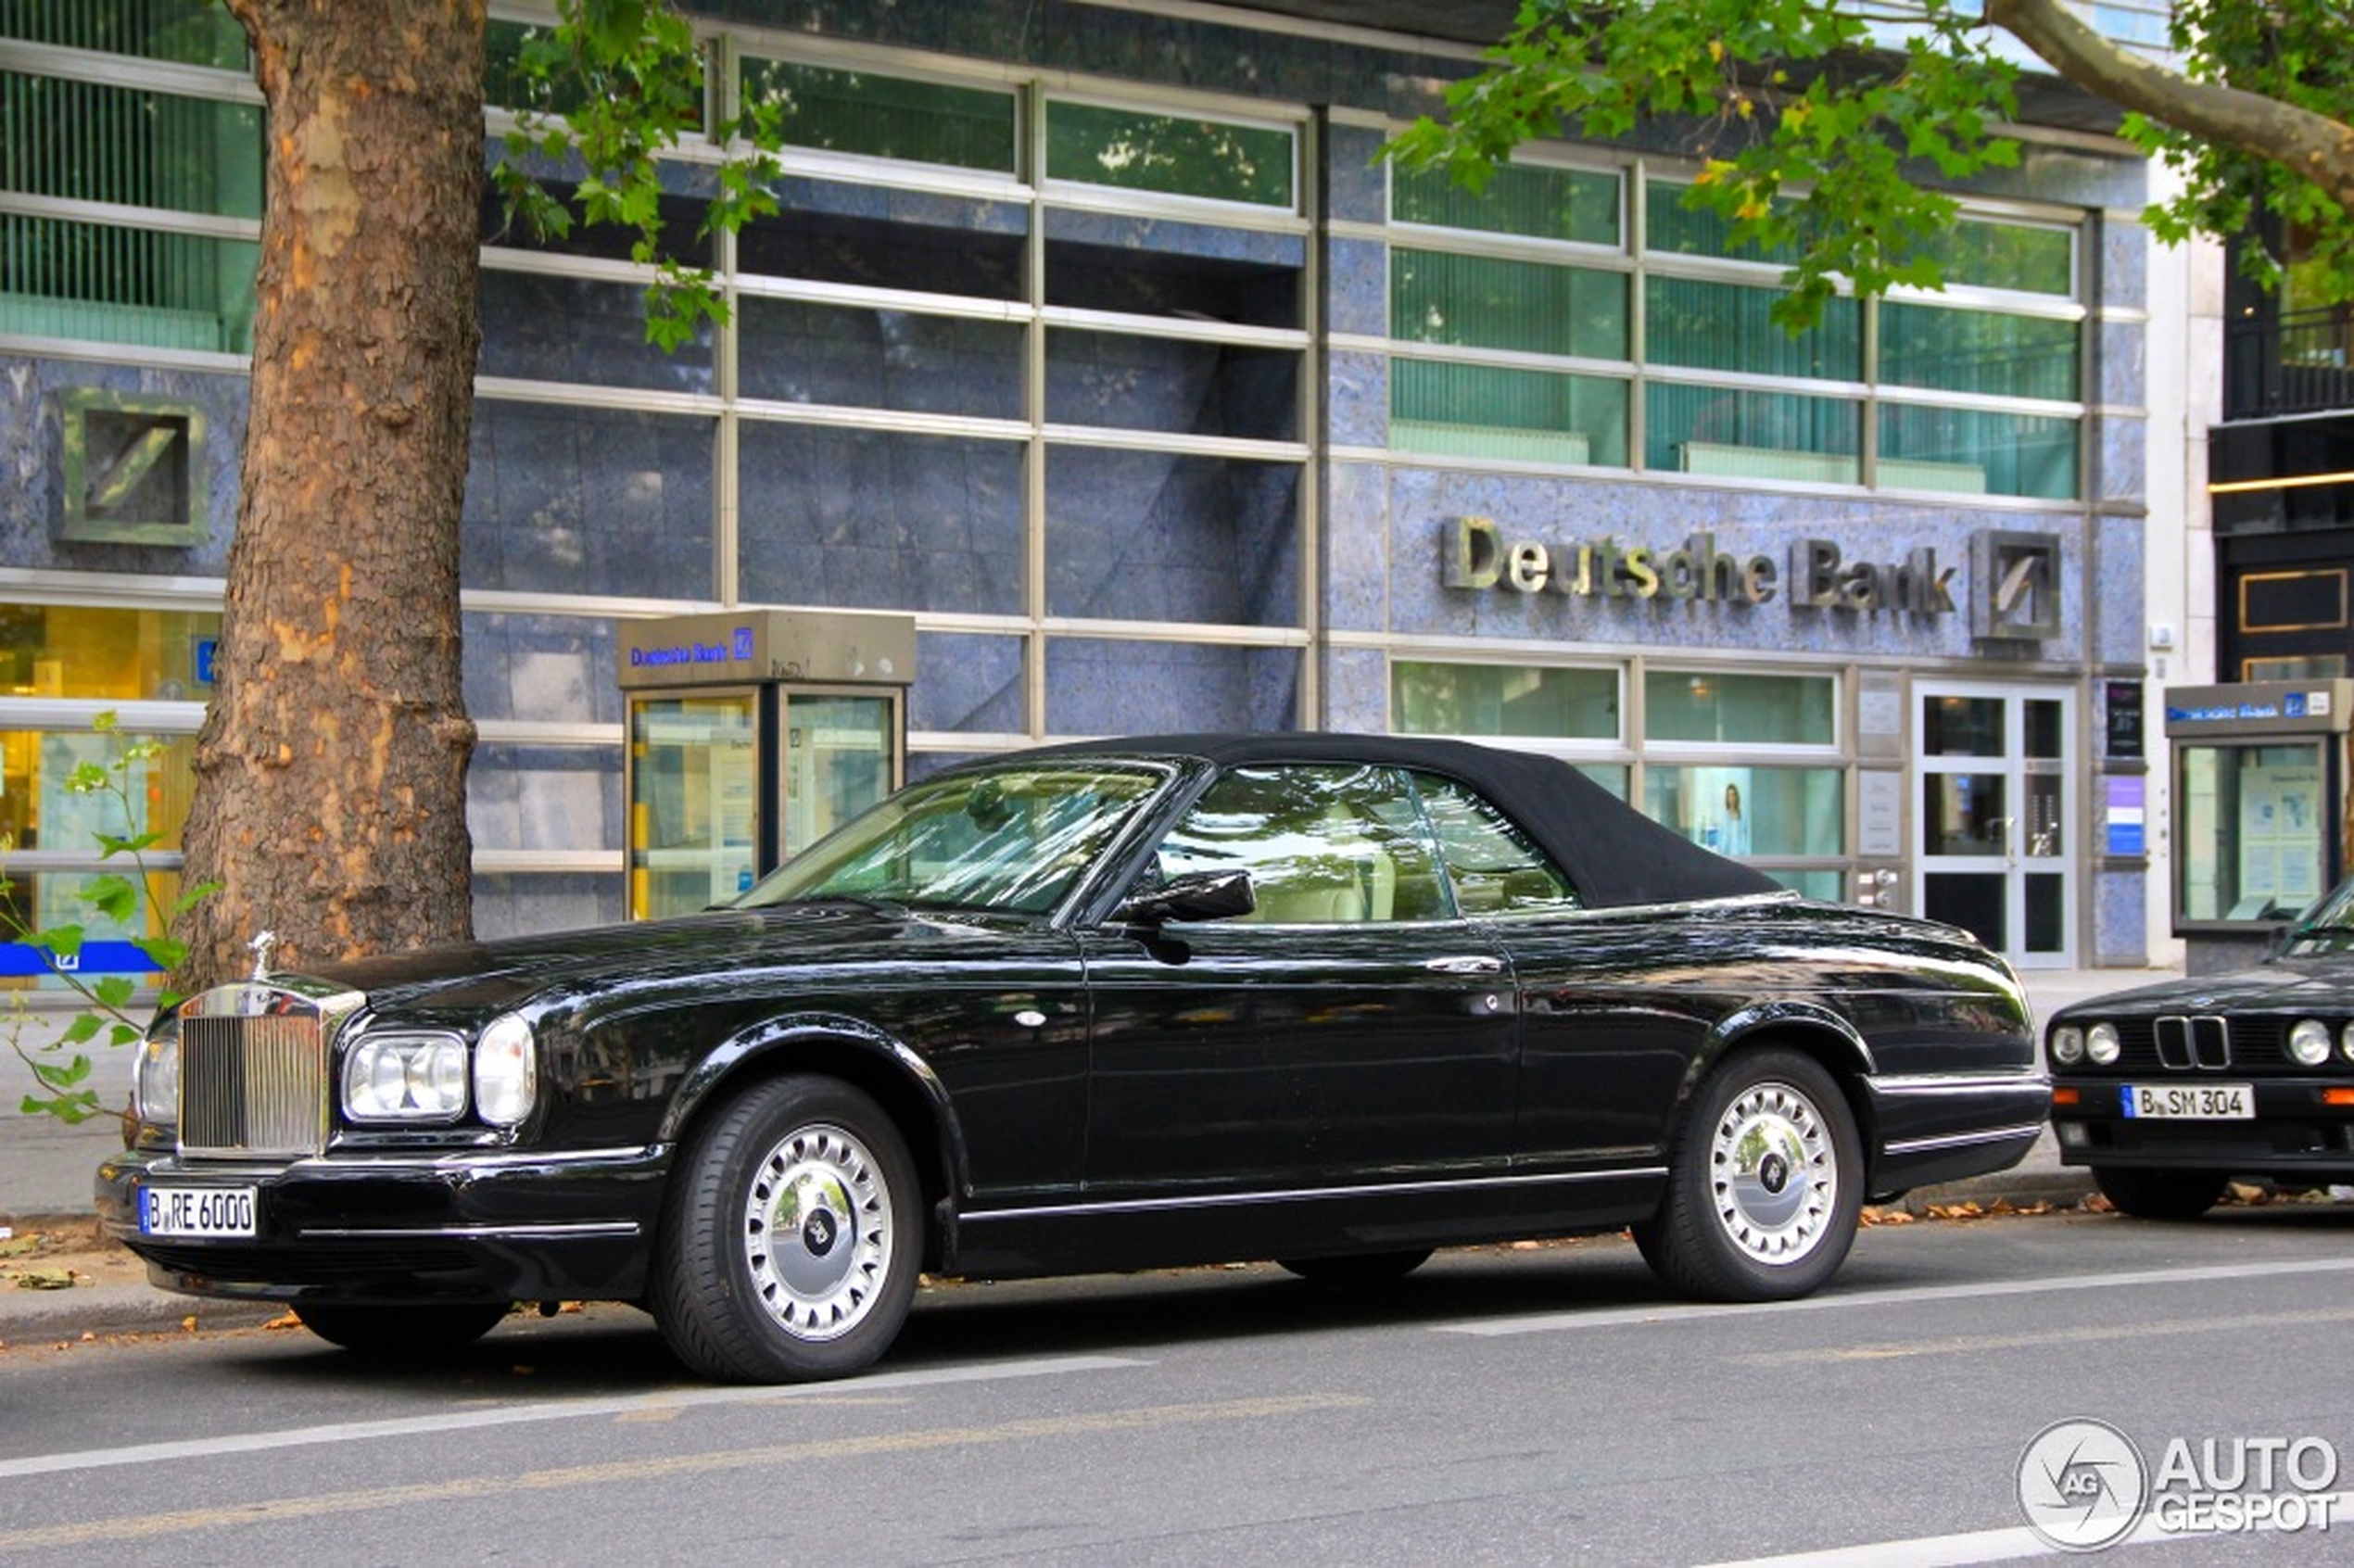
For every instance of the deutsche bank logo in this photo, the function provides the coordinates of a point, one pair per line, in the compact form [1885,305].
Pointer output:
[743,644]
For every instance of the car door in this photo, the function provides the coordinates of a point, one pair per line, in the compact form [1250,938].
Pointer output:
[1605,1040]
[1352,1029]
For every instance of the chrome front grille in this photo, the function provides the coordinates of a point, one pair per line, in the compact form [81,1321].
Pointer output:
[2202,1040]
[253,1085]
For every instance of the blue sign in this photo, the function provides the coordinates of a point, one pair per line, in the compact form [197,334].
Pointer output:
[19,959]
[208,649]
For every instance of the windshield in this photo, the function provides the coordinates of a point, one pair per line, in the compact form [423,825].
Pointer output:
[1012,838]
[2327,927]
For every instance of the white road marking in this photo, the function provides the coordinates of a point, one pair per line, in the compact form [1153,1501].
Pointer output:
[635,1406]
[1557,1322]
[1997,1546]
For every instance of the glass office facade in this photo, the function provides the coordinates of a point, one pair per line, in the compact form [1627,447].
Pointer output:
[1154,396]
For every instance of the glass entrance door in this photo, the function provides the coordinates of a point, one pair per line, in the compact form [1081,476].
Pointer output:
[1997,808]
[694,801]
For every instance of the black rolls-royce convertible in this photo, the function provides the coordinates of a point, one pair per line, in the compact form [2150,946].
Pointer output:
[1331,1001]
[2168,1091]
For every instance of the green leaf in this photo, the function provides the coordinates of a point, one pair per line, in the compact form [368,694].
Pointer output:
[112,897]
[71,1109]
[190,897]
[64,1075]
[165,953]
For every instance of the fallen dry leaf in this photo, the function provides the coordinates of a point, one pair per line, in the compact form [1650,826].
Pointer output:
[45,1279]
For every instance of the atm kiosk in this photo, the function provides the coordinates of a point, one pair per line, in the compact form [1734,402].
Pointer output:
[751,735]
[2260,827]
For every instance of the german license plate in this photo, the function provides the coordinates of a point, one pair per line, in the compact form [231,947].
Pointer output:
[197,1211]
[2190,1101]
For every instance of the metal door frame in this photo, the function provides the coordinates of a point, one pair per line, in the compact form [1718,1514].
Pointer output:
[2018,860]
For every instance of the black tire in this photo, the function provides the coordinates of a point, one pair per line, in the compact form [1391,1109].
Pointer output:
[792,1235]
[1765,1179]
[1358,1268]
[2159,1195]
[408,1333]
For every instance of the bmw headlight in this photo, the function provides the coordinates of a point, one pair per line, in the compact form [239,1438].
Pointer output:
[2068,1045]
[506,1071]
[394,1077]
[155,1078]
[2101,1045]
[2308,1042]
[2346,1042]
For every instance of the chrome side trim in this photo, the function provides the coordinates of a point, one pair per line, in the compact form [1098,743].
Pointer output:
[1948,1083]
[349,1162]
[1964,1140]
[577,1231]
[1313,1195]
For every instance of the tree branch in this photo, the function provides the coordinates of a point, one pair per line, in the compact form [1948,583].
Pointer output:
[2313,146]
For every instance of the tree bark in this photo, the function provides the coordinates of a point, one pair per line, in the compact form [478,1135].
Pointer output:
[331,770]
[2314,146]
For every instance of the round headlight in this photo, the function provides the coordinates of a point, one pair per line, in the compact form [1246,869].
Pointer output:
[2100,1043]
[2346,1042]
[2068,1045]
[155,1080]
[405,1077]
[2308,1042]
[506,1071]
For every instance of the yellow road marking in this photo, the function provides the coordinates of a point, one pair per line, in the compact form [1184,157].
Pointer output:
[2086,1334]
[831,1450]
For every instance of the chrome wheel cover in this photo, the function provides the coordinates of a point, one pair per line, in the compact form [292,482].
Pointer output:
[1773,1173]
[816,1232]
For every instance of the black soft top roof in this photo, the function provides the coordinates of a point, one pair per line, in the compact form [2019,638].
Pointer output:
[1615,853]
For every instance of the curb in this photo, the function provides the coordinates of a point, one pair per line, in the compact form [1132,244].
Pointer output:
[31,1316]
[52,1316]
[2024,1188]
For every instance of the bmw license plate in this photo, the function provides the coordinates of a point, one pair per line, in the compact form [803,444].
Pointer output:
[197,1211]
[2190,1101]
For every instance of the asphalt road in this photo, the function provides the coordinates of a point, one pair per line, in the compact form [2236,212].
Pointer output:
[1512,1406]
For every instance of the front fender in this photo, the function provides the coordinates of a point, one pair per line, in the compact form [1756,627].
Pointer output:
[848,1047]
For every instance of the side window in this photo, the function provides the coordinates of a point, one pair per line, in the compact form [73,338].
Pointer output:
[1493,867]
[1324,845]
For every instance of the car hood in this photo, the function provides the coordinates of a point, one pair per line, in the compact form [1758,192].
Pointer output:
[2284,984]
[480,976]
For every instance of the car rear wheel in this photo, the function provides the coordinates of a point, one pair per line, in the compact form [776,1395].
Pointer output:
[2159,1195]
[1358,1268]
[792,1235]
[1764,1186]
[415,1330]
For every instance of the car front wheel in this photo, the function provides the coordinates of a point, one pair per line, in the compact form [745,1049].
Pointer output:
[792,1235]
[2159,1195]
[1764,1186]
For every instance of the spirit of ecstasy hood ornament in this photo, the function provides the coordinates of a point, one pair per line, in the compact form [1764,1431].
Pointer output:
[261,944]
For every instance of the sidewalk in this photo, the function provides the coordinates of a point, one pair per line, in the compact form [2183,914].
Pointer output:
[45,1172]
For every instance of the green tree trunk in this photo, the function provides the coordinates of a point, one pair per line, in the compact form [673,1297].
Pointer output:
[331,772]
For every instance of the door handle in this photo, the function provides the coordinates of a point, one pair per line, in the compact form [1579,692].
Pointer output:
[1480,964]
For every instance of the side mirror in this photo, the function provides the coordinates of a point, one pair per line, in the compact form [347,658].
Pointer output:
[1195,895]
